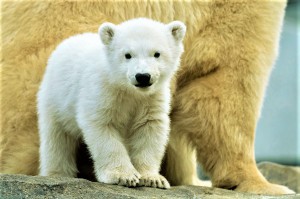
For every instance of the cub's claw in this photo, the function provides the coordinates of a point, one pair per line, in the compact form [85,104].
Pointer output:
[154,180]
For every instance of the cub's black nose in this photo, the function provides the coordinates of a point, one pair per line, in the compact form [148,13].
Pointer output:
[143,79]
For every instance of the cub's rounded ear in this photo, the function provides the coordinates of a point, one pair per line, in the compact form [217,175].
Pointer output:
[177,29]
[107,32]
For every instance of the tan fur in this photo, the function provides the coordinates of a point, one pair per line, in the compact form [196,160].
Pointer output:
[230,48]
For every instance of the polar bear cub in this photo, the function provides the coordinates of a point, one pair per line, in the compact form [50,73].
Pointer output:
[113,90]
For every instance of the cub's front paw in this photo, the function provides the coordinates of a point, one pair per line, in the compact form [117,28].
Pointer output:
[154,180]
[128,178]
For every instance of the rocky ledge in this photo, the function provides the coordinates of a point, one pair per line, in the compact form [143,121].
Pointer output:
[21,186]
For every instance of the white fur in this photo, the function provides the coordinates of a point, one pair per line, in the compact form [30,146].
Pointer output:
[89,91]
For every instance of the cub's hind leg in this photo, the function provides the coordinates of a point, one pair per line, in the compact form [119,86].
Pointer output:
[57,149]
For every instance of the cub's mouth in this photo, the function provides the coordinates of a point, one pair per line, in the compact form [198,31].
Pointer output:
[143,85]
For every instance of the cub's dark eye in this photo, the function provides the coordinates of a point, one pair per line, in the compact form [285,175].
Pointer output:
[156,55]
[128,56]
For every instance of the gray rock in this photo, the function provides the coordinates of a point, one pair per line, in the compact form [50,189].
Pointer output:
[21,186]
[280,174]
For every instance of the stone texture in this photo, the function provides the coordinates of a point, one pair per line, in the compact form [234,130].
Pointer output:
[280,174]
[21,186]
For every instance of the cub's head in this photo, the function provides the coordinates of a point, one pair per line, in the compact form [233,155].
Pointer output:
[143,54]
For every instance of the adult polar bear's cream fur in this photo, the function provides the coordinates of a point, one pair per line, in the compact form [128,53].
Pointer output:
[115,94]
[230,47]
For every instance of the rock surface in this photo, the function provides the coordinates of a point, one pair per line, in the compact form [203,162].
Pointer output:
[280,174]
[21,186]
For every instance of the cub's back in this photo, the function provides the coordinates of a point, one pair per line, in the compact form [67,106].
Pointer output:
[59,90]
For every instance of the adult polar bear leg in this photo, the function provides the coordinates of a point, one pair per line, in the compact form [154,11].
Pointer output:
[219,121]
[180,164]
[220,91]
